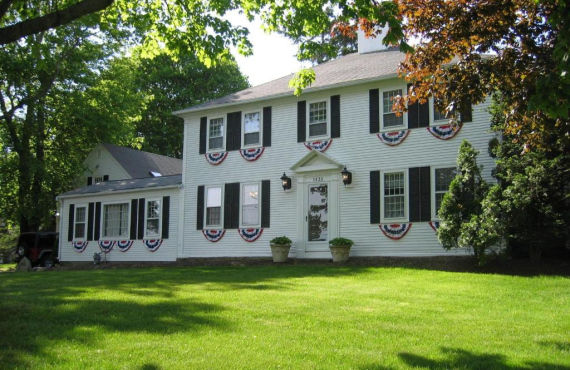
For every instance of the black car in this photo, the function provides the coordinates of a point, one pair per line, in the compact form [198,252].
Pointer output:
[40,247]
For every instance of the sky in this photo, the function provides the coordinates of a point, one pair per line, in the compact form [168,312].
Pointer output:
[273,54]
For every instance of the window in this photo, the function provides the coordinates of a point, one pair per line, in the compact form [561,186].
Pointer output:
[251,129]
[152,218]
[116,220]
[389,118]
[214,206]
[318,119]
[437,114]
[250,205]
[80,219]
[442,179]
[216,134]
[394,190]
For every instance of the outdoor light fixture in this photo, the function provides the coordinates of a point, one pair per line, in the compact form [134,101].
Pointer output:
[286,182]
[346,176]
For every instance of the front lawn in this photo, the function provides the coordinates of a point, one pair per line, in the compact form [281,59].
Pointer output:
[282,316]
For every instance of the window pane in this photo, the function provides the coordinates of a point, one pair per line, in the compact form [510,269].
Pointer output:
[251,139]
[153,209]
[250,216]
[216,143]
[80,214]
[391,120]
[318,129]
[217,127]
[213,216]
[250,194]
[437,115]
[388,99]
[152,227]
[80,230]
[214,198]
[317,112]
[394,196]
[251,122]
[438,200]
[115,220]
[443,177]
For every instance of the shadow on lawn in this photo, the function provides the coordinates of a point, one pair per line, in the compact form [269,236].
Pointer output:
[38,310]
[462,359]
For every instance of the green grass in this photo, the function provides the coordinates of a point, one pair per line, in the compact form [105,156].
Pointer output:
[7,267]
[283,316]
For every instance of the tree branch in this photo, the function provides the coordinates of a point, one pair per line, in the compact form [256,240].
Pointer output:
[35,25]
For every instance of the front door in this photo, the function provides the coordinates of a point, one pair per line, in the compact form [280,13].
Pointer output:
[317,217]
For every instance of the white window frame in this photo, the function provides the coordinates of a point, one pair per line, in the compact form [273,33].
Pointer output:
[432,176]
[225,131]
[404,116]
[406,196]
[432,120]
[260,144]
[147,201]
[328,123]
[85,222]
[102,222]
[242,197]
[205,223]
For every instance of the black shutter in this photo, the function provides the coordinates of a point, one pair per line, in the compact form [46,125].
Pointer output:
[105,177]
[466,112]
[374,110]
[374,197]
[301,121]
[233,141]
[203,131]
[89,180]
[90,215]
[266,126]
[97,221]
[134,221]
[231,205]
[418,114]
[335,116]
[165,216]
[70,224]
[140,227]
[200,208]
[420,197]
[265,203]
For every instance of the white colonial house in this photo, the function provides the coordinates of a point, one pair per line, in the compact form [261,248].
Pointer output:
[261,163]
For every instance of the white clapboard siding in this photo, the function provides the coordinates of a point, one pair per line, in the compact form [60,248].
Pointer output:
[359,150]
[138,252]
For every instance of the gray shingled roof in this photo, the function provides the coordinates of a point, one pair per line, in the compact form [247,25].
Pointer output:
[347,70]
[128,184]
[138,163]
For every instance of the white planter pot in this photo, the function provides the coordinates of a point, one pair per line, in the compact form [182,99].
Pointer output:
[280,252]
[340,253]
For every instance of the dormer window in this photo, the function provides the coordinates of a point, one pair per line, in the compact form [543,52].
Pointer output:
[216,134]
[317,119]
[251,129]
[389,117]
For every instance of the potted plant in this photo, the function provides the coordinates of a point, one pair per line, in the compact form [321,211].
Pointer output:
[280,248]
[340,249]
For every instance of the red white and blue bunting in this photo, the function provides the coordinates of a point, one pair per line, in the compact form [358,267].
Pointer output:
[250,235]
[216,158]
[214,235]
[395,231]
[319,145]
[434,225]
[106,246]
[79,246]
[152,244]
[444,132]
[393,138]
[124,245]
[251,154]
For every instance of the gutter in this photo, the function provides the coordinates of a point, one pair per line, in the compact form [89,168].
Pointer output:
[108,192]
[182,112]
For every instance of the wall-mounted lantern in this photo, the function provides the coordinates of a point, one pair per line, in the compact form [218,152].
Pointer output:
[285,182]
[346,176]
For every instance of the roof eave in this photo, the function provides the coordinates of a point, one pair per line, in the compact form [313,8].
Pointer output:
[63,196]
[183,112]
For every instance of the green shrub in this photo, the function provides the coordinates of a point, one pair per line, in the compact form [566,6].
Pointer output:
[281,240]
[341,242]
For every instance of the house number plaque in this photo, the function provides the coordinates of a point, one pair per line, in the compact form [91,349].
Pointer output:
[318,179]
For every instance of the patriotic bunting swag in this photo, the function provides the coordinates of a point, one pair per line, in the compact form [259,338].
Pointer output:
[216,158]
[395,231]
[250,235]
[106,245]
[124,245]
[152,244]
[251,154]
[434,225]
[444,132]
[213,235]
[79,246]
[319,145]
[393,138]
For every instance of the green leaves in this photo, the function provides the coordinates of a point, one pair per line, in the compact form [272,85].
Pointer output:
[302,79]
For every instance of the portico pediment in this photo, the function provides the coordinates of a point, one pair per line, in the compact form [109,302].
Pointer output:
[315,161]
